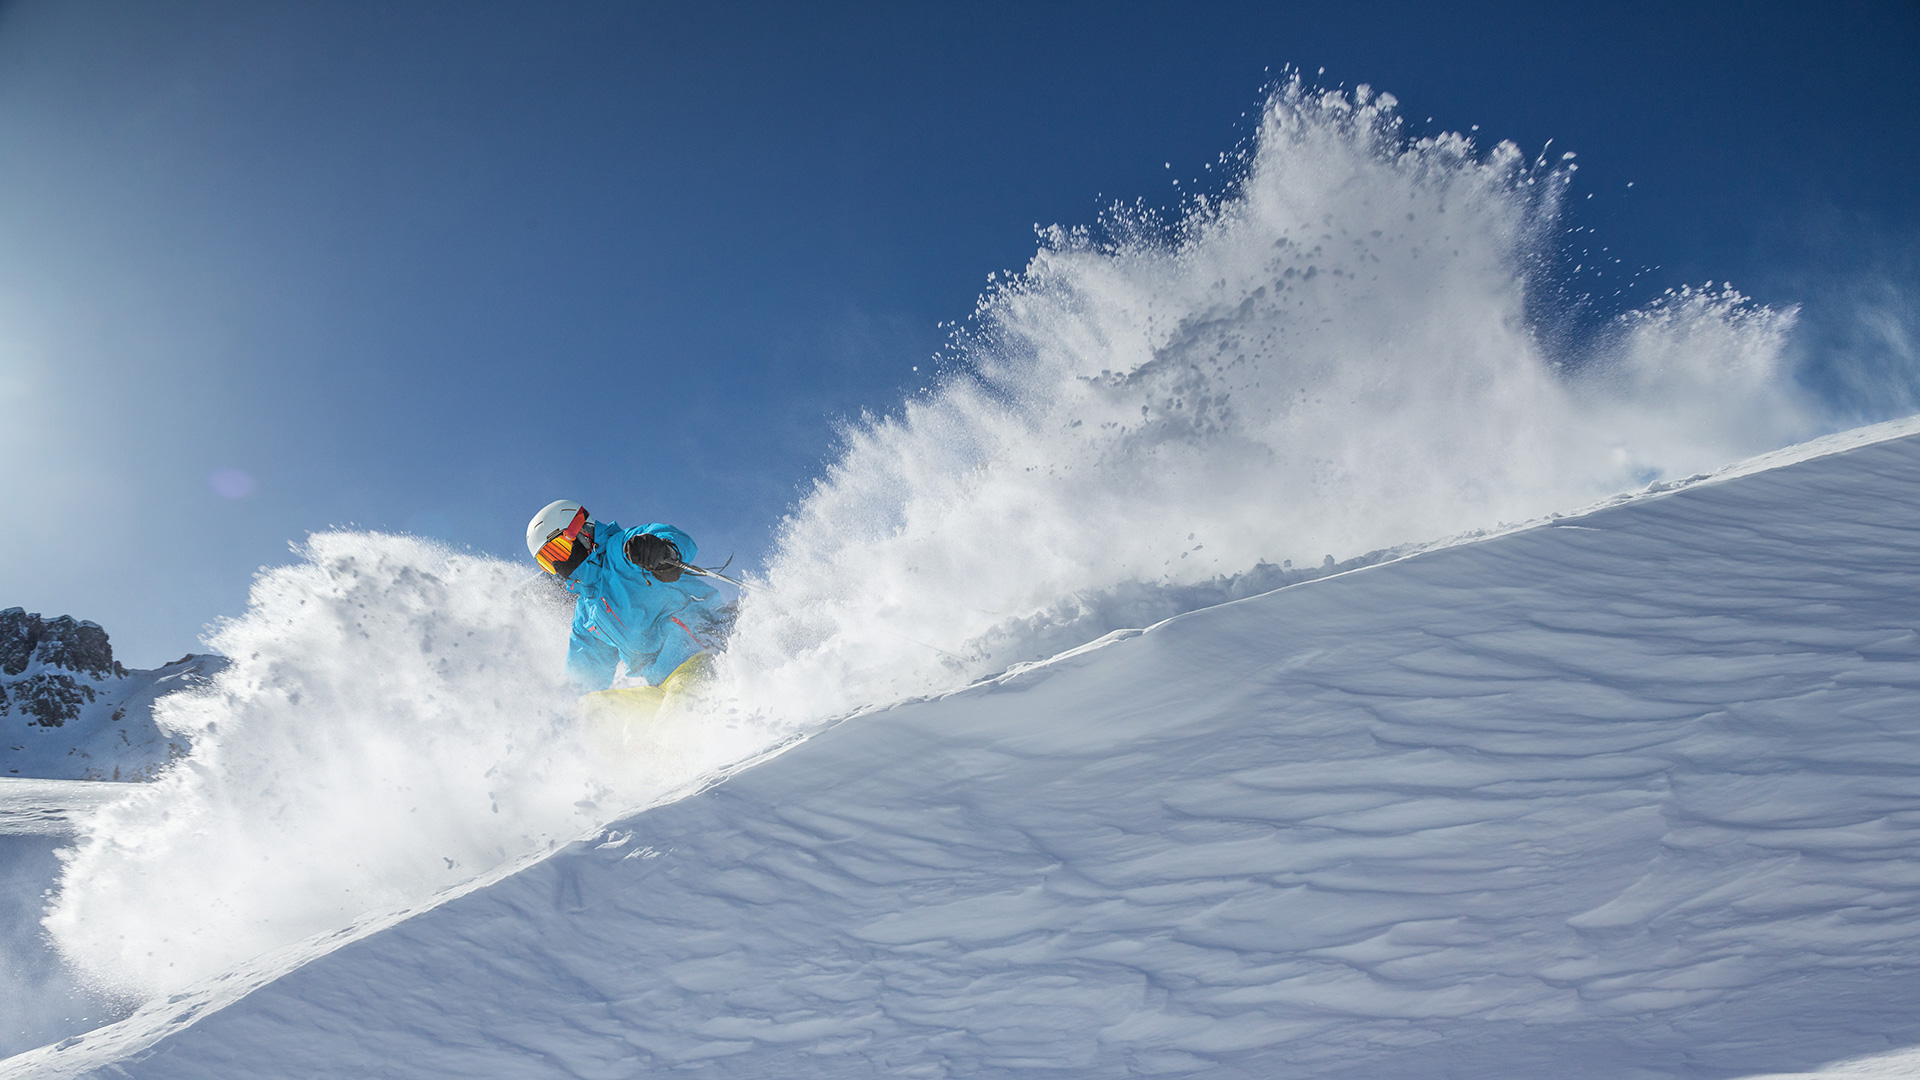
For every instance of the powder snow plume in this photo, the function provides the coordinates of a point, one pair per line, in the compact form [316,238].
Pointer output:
[1331,358]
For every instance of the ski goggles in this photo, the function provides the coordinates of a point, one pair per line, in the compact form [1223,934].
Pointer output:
[567,548]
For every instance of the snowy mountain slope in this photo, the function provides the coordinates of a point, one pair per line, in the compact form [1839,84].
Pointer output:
[70,711]
[1637,794]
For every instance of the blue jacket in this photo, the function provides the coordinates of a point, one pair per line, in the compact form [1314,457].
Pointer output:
[625,613]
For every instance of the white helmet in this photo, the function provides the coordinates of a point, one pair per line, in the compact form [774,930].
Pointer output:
[566,522]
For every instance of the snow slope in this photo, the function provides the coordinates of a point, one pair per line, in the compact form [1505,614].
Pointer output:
[1635,794]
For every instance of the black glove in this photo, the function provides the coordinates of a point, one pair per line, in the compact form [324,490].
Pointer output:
[654,555]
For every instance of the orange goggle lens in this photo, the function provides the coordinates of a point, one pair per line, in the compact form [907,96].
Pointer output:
[565,549]
[554,552]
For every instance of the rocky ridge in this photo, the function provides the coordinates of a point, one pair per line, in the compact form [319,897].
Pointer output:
[69,710]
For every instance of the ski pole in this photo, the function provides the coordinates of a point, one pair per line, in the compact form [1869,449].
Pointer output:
[702,571]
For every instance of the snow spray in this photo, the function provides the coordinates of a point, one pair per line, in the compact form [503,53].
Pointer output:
[1331,357]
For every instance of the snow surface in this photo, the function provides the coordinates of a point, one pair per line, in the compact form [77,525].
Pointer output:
[1633,794]
[41,807]
[1899,1065]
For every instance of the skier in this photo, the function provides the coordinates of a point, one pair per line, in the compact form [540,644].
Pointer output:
[636,601]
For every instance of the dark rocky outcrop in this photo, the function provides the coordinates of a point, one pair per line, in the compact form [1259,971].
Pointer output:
[70,655]
[70,711]
[51,698]
[62,642]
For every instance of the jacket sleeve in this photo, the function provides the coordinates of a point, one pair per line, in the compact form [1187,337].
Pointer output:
[674,536]
[591,659]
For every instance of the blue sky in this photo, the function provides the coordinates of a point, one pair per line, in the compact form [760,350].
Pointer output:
[268,268]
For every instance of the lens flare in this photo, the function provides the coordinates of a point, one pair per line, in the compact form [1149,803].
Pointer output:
[231,483]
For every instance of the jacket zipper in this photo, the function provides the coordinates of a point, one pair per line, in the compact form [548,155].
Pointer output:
[611,615]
